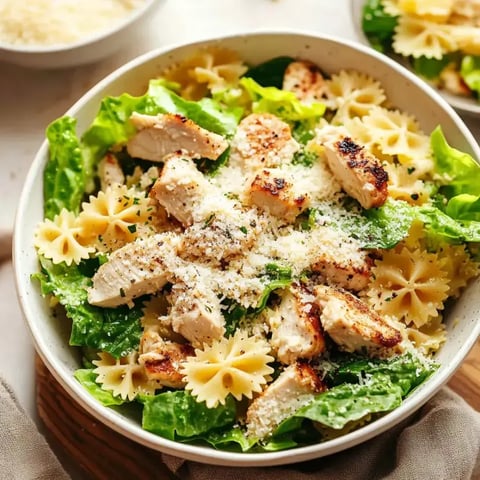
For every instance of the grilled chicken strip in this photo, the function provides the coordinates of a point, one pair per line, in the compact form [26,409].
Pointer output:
[134,270]
[352,325]
[181,189]
[305,80]
[274,190]
[110,172]
[360,174]
[219,239]
[262,140]
[294,388]
[162,359]
[196,314]
[349,273]
[295,326]
[161,135]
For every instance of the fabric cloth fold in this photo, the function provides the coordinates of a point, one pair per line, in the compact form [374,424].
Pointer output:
[24,452]
[440,442]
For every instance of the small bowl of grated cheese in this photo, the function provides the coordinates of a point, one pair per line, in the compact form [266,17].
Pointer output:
[64,33]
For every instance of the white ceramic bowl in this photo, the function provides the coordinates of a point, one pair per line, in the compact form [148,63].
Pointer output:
[463,105]
[93,47]
[403,89]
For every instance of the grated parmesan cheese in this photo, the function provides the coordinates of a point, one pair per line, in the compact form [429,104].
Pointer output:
[50,22]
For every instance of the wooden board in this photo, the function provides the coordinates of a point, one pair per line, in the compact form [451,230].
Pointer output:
[104,454]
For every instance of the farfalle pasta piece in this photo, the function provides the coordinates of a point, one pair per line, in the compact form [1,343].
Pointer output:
[460,267]
[60,239]
[421,38]
[237,365]
[429,338]
[124,376]
[409,286]
[362,135]
[208,71]
[391,7]
[404,184]
[352,94]
[434,10]
[467,38]
[115,217]
[399,134]
[466,12]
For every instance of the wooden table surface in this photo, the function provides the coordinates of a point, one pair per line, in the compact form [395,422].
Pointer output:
[104,454]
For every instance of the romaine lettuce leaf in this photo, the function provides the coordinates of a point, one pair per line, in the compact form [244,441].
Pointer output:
[374,386]
[381,227]
[470,72]
[464,207]
[64,174]
[281,103]
[87,378]
[111,126]
[278,276]
[114,330]
[378,25]
[350,402]
[207,112]
[177,415]
[438,223]
[460,170]
[232,439]
[270,73]
[430,68]
[387,225]
[407,371]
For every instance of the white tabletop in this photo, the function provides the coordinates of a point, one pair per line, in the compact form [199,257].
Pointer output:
[31,99]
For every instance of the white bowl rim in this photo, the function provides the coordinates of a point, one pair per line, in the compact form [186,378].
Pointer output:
[89,39]
[206,454]
[465,105]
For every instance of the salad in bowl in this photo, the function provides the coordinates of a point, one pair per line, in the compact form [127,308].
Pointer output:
[439,41]
[255,256]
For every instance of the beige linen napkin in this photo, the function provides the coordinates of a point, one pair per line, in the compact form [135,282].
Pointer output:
[441,442]
[24,452]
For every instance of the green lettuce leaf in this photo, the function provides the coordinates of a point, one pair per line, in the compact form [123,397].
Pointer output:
[207,113]
[470,72]
[114,330]
[278,277]
[374,386]
[464,207]
[270,73]
[112,126]
[438,223]
[430,68]
[281,103]
[350,402]
[407,371]
[233,439]
[64,174]
[88,380]
[381,227]
[177,415]
[378,25]
[387,225]
[460,170]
